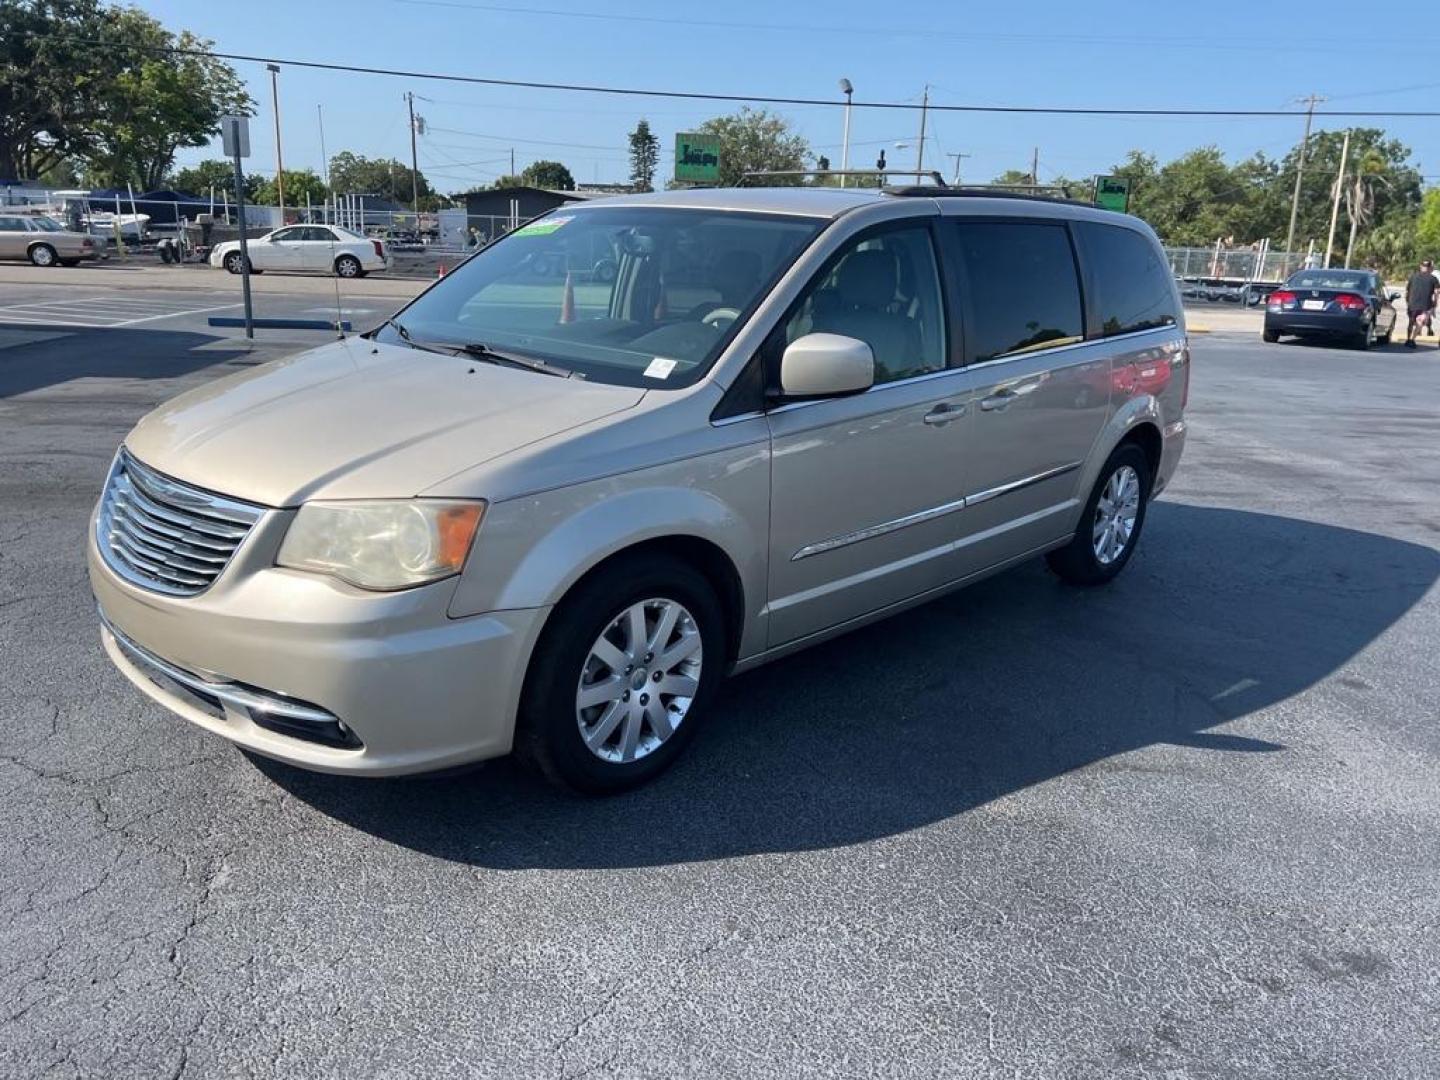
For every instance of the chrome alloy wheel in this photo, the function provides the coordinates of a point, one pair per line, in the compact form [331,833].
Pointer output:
[1115,515]
[638,681]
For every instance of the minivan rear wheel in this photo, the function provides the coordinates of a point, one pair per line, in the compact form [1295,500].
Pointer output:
[1110,527]
[621,676]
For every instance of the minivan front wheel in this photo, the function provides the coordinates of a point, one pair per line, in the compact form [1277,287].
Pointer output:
[627,666]
[1110,526]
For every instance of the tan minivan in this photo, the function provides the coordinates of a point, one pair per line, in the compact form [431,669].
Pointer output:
[546,509]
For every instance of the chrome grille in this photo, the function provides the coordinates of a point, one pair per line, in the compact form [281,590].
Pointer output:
[167,536]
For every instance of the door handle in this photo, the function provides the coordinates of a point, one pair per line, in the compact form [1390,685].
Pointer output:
[944,413]
[1005,395]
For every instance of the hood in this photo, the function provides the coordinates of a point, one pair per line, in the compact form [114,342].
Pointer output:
[360,420]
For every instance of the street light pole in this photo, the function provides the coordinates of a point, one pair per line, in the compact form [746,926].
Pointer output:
[958,158]
[274,70]
[848,91]
[1310,103]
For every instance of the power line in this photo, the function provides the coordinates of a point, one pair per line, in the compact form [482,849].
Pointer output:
[758,99]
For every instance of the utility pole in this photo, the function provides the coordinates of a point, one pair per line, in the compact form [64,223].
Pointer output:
[1309,103]
[274,70]
[414,165]
[1335,205]
[958,158]
[324,158]
[1035,168]
[920,151]
[512,161]
[848,90]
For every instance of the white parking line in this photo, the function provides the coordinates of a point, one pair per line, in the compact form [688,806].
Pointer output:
[101,312]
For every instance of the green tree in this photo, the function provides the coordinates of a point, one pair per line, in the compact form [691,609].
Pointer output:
[644,157]
[1392,181]
[159,102]
[351,173]
[509,180]
[1427,225]
[548,174]
[52,82]
[299,184]
[198,180]
[1013,178]
[756,140]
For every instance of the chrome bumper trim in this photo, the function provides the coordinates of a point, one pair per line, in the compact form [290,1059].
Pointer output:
[290,717]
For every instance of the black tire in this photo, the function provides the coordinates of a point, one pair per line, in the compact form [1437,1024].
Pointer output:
[548,729]
[44,255]
[1270,336]
[1077,563]
[235,263]
[347,266]
[1384,339]
[1362,340]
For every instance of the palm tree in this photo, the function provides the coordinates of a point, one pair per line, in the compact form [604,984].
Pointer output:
[1360,195]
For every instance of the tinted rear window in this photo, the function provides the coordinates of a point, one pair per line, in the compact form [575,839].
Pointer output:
[1021,285]
[1134,289]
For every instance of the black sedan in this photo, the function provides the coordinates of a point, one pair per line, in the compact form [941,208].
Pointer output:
[1345,304]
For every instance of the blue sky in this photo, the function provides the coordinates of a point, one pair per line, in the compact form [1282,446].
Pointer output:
[1157,53]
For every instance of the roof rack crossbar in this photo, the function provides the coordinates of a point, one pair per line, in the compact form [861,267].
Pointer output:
[768,174]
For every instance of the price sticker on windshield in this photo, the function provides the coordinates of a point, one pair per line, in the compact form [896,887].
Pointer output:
[543,227]
[660,368]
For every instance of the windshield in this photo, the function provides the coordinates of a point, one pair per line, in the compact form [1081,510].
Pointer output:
[44,224]
[633,295]
[1329,279]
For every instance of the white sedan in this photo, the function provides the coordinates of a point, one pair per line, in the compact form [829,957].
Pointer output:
[323,248]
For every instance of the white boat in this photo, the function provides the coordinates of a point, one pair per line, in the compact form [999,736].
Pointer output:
[72,209]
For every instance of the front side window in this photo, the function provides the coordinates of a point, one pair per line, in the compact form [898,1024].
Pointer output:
[44,224]
[632,295]
[1022,289]
[883,289]
[284,235]
[1134,288]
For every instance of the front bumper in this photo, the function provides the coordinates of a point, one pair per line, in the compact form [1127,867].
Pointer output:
[416,689]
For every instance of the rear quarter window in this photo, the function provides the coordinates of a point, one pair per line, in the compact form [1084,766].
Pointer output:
[1131,285]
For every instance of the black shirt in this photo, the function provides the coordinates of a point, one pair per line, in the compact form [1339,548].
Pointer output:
[1420,292]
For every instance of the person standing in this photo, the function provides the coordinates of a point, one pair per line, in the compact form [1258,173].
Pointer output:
[1420,298]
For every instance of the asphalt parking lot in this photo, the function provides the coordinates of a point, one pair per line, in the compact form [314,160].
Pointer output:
[1182,827]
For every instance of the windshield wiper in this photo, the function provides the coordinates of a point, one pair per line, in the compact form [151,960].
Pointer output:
[427,346]
[481,351]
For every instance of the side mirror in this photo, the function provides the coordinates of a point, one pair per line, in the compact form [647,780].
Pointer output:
[1392,295]
[824,365]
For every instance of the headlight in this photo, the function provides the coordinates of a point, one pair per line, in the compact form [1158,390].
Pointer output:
[395,544]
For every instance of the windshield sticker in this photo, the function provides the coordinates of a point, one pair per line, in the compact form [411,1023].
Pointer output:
[660,368]
[543,227]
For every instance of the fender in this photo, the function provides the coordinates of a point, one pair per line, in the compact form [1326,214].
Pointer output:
[1138,410]
[587,523]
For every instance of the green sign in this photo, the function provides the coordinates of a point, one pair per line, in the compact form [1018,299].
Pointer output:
[697,158]
[1112,193]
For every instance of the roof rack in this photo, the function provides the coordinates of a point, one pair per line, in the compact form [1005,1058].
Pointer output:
[1029,192]
[869,174]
